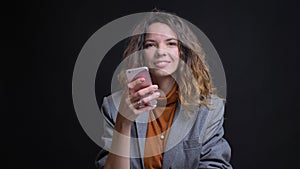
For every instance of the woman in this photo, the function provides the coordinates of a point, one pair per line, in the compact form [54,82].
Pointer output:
[185,124]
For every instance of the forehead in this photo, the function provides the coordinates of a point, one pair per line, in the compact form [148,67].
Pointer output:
[160,30]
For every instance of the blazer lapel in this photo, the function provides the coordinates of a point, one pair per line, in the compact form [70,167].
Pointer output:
[182,124]
[141,125]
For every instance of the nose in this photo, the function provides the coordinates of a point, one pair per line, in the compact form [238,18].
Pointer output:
[161,51]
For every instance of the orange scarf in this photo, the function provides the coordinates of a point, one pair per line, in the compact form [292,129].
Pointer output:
[160,121]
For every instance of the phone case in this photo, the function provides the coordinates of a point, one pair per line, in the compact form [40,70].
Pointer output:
[135,73]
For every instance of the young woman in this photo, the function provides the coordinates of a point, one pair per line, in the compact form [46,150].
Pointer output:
[184,128]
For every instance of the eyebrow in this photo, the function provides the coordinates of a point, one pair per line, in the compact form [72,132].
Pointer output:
[169,39]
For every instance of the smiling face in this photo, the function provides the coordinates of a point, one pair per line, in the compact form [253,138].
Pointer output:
[161,53]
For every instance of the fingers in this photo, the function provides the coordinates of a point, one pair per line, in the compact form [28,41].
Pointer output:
[138,98]
[136,85]
[147,100]
[147,108]
[143,93]
[150,99]
[134,109]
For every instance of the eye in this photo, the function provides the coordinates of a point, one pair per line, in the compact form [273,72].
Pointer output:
[172,43]
[148,45]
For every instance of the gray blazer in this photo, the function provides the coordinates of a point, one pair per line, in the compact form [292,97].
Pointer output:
[195,139]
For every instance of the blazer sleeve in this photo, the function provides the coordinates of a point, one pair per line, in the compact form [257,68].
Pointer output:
[215,152]
[106,134]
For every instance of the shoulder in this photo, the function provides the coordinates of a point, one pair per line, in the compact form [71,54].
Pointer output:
[215,106]
[112,100]
[215,101]
[214,119]
[110,105]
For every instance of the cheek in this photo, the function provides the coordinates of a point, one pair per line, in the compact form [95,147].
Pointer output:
[175,55]
[176,58]
[148,56]
[175,52]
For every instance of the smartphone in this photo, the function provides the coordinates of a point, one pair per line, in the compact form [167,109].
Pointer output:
[139,72]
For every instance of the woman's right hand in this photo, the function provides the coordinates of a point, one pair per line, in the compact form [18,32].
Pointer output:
[129,110]
[136,99]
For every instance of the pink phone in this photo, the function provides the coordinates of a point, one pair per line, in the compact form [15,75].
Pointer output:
[139,72]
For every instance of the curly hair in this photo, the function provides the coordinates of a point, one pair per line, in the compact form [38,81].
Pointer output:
[192,76]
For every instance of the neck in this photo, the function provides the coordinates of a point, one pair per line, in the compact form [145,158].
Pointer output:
[164,83]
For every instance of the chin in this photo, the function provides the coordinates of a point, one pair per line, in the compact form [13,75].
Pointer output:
[161,72]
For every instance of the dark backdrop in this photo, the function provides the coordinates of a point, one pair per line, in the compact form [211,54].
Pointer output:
[40,40]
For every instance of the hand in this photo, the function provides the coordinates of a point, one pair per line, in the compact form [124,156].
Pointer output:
[137,98]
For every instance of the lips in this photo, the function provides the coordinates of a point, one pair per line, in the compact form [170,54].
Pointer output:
[161,63]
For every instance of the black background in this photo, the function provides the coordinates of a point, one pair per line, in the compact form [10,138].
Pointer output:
[40,40]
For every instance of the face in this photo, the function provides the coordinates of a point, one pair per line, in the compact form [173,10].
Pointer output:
[161,53]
